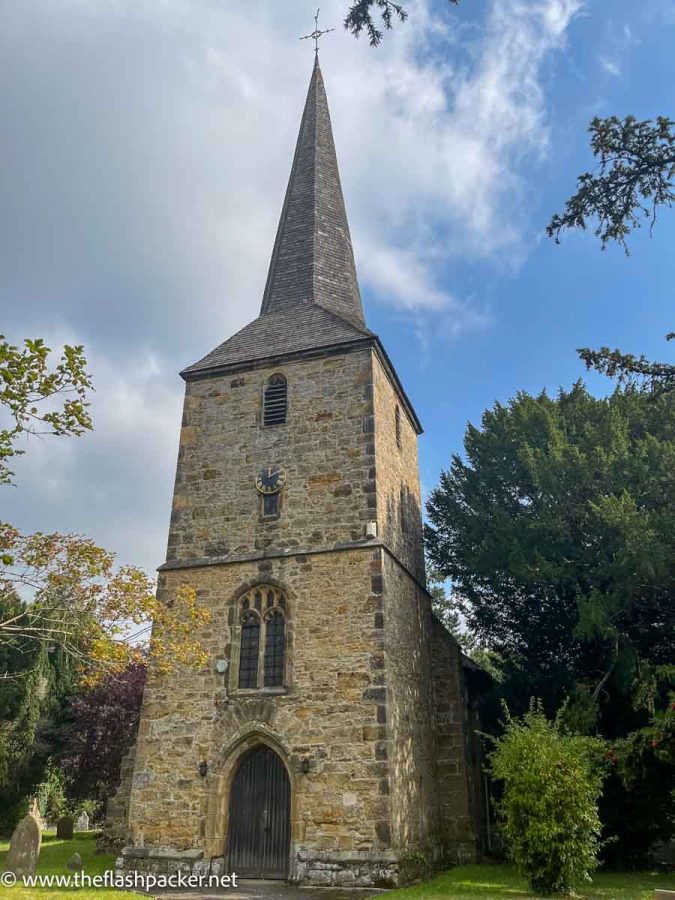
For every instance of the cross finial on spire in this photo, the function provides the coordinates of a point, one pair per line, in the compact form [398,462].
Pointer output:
[316,34]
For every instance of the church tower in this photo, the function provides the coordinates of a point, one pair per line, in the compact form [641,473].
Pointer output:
[319,743]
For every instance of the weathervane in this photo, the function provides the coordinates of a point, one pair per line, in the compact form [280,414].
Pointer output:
[316,34]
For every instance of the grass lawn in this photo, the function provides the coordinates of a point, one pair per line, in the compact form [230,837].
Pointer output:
[53,857]
[489,881]
[495,881]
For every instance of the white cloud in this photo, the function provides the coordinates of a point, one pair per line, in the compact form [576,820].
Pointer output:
[611,66]
[437,172]
[113,484]
[144,162]
[619,40]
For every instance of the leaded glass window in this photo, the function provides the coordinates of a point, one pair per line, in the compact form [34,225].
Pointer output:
[274,648]
[262,653]
[250,647]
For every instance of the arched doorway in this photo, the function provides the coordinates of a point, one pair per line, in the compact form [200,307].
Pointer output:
[259,820]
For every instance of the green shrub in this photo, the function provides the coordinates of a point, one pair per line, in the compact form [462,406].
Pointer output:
[549,807]
[51,795]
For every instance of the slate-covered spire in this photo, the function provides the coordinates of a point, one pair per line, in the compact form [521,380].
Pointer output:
[311,301]
[312,260]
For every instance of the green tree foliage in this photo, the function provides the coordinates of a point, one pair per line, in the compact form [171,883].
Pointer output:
[65,608]
[557,529]
[633,372]
[51,795]
[549,806]
[640,791]
[32,701]
[635,176]
[360,17]
[39,397]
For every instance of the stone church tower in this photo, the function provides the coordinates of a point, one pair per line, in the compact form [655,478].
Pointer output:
[329,740]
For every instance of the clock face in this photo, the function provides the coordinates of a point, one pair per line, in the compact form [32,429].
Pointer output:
[271,479]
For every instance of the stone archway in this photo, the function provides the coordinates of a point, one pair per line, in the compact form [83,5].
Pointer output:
[259,820]
[252,735]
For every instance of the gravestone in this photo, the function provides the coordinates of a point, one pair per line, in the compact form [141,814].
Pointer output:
[64,828]
[75,862]
[24,848]
[82,823]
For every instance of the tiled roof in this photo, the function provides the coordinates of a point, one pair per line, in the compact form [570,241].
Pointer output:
[306,326]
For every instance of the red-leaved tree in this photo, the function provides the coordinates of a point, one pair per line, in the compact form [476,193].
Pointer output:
[103,727]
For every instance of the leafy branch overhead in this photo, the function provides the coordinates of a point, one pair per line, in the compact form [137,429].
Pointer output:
[632,372]
[635,176]
[98,614]
[38,398]
[360,17]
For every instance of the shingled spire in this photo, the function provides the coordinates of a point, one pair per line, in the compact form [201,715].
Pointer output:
[312,260]
[311,300]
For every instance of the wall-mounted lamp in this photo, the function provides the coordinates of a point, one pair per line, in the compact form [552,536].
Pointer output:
[221,666]
[203,768]
[304,765]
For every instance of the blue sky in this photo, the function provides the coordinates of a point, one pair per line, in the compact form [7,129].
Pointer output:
[618,60]
[143,171]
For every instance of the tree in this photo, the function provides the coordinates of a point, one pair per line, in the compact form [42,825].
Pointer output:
[102,726]
[635,176]
[68,614]
[635,373]
[96,613]
[360,17]
[549,805]
[31,705]
[558,531]
[634,795]
[40,398]
[558,534]
[72,595]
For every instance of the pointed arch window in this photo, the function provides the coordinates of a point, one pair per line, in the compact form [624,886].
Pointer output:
[263,636]
[275,645]
[275,401]
[250,650]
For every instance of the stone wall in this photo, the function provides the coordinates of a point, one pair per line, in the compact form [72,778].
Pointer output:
[326,447]
[416,831]
[397,476]
[327,714]
[453,751]
[115,833]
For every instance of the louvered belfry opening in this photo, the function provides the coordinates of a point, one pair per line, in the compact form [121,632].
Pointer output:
[259,826]
[275,401]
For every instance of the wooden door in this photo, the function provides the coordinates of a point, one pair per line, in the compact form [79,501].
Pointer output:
[259,831]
